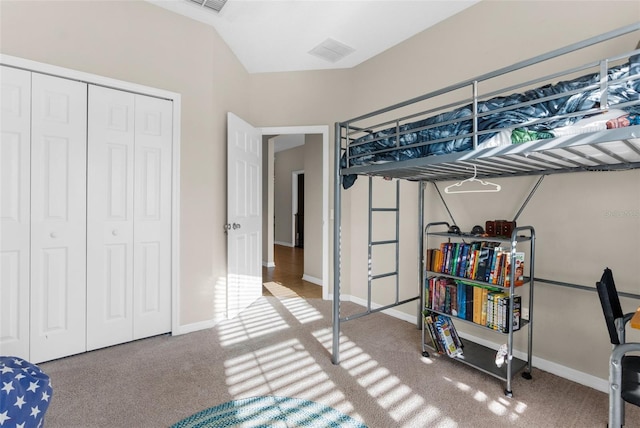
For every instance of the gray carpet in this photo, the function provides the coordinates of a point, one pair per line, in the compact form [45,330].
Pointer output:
[281,346]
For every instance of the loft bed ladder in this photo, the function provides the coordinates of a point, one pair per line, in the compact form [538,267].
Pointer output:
[373,217]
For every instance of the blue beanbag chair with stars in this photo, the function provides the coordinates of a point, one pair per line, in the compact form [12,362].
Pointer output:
[25,393]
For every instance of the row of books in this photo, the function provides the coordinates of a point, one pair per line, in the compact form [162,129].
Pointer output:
[485,306]
[443,334]
[479,261]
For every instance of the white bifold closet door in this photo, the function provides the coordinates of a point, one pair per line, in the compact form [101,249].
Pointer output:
[129,217]
[15,221]
[58,217]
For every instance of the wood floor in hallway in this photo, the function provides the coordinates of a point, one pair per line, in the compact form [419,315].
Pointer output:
[286,277]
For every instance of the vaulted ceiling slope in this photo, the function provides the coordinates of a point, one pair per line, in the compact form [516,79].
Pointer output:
[296,35]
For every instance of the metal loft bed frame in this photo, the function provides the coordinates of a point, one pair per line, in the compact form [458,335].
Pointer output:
[611,149]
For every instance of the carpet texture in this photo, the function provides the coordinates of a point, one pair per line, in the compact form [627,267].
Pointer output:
[281,346]
[270,412]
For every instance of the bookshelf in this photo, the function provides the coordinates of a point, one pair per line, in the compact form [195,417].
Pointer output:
[475,279]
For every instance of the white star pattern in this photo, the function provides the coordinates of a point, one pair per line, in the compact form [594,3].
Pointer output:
[20,402]
[25,393]
[34,412]
[8,387]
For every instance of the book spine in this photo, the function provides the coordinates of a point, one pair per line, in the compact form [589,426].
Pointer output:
[483,319]
[469,300]
[519,269]
[462,301]
[477,305]
[490,301]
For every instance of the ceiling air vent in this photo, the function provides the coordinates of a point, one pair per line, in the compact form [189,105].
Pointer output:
[216,5]
[331,50]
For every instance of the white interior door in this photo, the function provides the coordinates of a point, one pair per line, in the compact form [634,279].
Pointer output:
[244,214]
[110,217]
[15,141]
[58,217]
[152,217]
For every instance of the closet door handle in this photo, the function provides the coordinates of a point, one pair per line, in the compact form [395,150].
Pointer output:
[54,235]
[114,232]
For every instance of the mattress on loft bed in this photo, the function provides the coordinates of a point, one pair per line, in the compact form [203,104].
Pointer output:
[511,126]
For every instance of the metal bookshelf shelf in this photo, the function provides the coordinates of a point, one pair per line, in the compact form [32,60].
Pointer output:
[475,355]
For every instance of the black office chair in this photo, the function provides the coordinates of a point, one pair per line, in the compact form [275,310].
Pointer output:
[624,370]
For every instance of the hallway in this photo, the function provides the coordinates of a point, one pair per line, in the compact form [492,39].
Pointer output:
[286,277]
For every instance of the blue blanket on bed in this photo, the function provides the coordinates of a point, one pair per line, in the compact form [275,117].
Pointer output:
[458,134]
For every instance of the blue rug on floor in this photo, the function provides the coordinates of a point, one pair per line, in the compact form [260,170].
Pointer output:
[269,412]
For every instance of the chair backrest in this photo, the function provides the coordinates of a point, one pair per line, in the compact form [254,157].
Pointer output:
[610,303]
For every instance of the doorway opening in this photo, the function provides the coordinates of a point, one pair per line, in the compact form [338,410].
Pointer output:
[311,235]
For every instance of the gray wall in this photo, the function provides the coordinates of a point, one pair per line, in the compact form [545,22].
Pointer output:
[286,162]
[98,37]
[313,206]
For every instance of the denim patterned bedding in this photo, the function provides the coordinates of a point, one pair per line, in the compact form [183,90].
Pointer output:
[514,121]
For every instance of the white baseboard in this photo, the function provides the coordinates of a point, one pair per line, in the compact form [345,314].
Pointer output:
[269,264]
[549,366]
[197,326]
[284,244]
[312,279]
[393,312]
[564,372]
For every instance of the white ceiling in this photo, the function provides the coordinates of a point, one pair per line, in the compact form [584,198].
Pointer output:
[277,35]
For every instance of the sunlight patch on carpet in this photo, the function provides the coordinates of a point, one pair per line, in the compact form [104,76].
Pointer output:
[272,412]
[401,403]
[259,319]
[295,304]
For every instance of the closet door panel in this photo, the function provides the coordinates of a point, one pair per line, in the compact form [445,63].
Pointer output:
[58,217]
[15,140]
[110,217]
[152,202]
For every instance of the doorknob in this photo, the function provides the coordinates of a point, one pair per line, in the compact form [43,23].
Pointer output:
[230,226]
[53,235]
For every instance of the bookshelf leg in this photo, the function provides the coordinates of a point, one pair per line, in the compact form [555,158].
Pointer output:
[526,375]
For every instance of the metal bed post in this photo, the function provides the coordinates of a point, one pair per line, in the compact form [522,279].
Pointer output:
[421,256]
[397,241]
[337,208]
[532,263]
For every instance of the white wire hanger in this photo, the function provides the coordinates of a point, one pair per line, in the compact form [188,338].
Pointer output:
[486,186]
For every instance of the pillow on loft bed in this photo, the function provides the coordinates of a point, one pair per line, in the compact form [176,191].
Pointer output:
[610,119]
[511,125]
